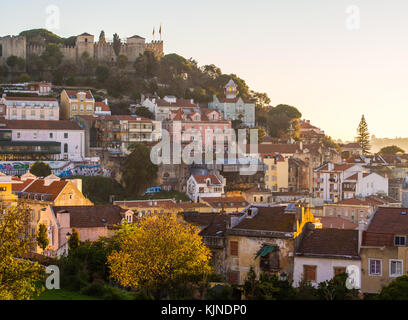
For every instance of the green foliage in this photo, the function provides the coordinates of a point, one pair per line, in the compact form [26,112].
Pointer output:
[363,136]
[122,61]
[12,61]
[74,240]
[100,189]
[306,291]
[40,169]
[144,112]
[117,44]
[328,142]
[220,293]
[19,279]
[138,170]
[42,236]
[52,56]
[335,289]
[42,37]
[391,150]
[268,287]
[102,73]
[279,120]
[396,290]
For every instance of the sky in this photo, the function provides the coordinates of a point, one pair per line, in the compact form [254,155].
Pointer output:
[333,60]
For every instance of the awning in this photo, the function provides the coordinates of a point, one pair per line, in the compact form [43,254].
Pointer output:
[265,250]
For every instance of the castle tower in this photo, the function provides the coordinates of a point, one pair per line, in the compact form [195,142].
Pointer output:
[85,43]
[231,90]
[134,47]
[13,46]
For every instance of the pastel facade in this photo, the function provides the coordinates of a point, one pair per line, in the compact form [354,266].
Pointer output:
[205,186]
[233,107]
[30,108]
[75,102]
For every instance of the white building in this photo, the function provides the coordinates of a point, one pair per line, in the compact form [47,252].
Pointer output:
[335,182]
[324,253]
[41,140]
[30,108]
[205,186]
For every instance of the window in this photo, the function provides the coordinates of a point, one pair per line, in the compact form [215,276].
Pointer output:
[309,273]
[400,241]
[35,135]
[234,248]
[32,112]
[82,107]
[339,270]
[74,107]
[270,261]
[65,147]
[51,135]
[18,135]
[89,107]
[395,268]
[374,267]
[66,135]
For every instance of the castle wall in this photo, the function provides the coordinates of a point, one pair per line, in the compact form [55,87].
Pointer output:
[13,46]
[17,46]
[70,53]
[104,52]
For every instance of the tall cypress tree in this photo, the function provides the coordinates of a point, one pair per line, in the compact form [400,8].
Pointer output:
[363,137]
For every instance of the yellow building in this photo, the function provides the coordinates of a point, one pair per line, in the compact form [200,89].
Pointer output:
[277,172]
[76,102]
[6,189]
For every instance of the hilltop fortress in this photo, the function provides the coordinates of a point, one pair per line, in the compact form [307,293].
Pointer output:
[101,50]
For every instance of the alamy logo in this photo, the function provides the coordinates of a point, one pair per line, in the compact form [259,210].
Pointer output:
[52,281]
[52,21]
[353,279]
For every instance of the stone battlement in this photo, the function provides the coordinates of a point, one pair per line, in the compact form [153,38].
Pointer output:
[100,51]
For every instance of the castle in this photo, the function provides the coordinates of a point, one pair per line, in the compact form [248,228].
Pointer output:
[100,51]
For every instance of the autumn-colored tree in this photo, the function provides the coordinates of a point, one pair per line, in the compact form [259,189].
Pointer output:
[363,136]
[74,240]
[157,252]
[18,277]
[42,236]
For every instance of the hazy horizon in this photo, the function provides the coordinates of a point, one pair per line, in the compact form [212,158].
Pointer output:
[301,54]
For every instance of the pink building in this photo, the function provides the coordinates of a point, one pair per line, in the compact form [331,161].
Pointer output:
[203,121]
[30,108]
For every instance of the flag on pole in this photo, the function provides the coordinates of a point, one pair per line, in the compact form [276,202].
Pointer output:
[160,29]
[154,31]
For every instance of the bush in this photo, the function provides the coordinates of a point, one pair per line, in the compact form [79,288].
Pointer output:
[113,293]
[220,292]
[94,290]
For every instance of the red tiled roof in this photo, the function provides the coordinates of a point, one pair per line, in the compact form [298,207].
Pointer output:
[269,219]
[41,124]
[202,179]
[337,167]
[92,216]
[18,187]
[30,99]
[389,220]
[153,203]
[228,202]
[337,223]
[74,93]
[276,148]
[54,189]
[368,201]
[352,145]
[103,106]
[330,242]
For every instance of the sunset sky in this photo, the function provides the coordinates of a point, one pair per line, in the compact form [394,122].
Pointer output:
[300,52]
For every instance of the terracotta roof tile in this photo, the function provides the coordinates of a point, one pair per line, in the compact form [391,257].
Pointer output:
[202,179]
[92,216]
[53,189]
[330,242]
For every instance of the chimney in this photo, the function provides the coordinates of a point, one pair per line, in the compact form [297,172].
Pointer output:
[362,226]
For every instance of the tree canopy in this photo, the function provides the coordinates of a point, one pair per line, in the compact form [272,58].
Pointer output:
[363,136]
[40,169]
[391,150]
[157,252]
[18,278]
[138,170]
